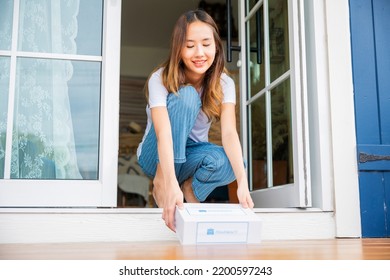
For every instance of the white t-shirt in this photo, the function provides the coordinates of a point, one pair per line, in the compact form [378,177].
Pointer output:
[158,97]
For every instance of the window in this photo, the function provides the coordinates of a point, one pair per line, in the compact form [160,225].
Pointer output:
[53,102]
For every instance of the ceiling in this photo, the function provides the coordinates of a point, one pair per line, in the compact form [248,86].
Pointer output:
[149,23]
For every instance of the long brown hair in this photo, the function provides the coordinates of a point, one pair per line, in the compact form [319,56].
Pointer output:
[173,76]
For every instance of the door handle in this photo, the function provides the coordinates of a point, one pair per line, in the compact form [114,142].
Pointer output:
[229,47]
[364,157]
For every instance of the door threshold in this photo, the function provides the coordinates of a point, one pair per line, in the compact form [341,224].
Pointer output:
[64,225]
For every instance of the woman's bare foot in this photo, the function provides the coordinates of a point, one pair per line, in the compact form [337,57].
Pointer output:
[188,192]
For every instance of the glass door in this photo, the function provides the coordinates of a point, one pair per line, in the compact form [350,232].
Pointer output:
[59,94]
[273,106]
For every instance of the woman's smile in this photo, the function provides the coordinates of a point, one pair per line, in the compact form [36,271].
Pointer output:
[199,63]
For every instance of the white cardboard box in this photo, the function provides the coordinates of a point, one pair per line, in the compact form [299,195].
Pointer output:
[200,223]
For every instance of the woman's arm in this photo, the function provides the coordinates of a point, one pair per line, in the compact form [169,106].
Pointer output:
[232,146]
[165,182]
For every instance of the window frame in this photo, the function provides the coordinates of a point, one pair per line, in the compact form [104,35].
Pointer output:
[74,193]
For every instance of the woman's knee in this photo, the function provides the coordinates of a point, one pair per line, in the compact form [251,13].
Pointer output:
[217,160]
[187,98]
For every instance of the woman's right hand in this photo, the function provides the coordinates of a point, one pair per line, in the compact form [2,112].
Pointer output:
[173,197]
[167,194]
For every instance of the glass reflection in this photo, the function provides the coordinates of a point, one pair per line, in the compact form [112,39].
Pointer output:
[6,16]
[258,143]
[281,134]
[278,35]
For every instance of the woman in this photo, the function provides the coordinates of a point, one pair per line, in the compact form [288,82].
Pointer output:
[185,94]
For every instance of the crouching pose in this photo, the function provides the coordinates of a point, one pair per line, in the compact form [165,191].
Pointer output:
[185,94]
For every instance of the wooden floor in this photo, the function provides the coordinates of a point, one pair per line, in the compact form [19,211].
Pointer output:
[335,249]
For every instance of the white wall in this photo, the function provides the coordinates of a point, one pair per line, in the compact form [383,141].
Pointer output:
[140,61]
[138,58]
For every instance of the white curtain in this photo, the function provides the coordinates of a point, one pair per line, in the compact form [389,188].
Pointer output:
[6,8]
[43,145]
[4,79]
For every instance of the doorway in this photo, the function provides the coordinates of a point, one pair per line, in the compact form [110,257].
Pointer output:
[145,39]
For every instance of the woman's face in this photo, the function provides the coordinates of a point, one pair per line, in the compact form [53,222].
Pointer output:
[199,50]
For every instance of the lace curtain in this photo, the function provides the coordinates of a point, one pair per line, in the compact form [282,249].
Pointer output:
[6,7]
[43,145]
[4,79]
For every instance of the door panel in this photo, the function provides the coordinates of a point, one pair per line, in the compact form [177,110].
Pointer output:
[278,161]
[371,71]
[373,188]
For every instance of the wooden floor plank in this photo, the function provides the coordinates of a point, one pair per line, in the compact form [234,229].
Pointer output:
[333,249]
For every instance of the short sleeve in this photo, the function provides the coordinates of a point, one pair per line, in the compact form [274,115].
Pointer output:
[157,92]
[228,89]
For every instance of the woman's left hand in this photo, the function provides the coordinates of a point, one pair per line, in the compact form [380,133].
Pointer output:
[244,196]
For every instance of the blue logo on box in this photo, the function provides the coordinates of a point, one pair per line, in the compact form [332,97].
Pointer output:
[210,231]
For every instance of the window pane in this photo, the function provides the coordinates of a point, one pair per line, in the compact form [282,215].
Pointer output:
[6,15]
[56,119]
[4,88]
[251,3]
[282,153]
[84,95]
[259,143]
[66,27]
[278,33]
[90,27]
[256,64]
